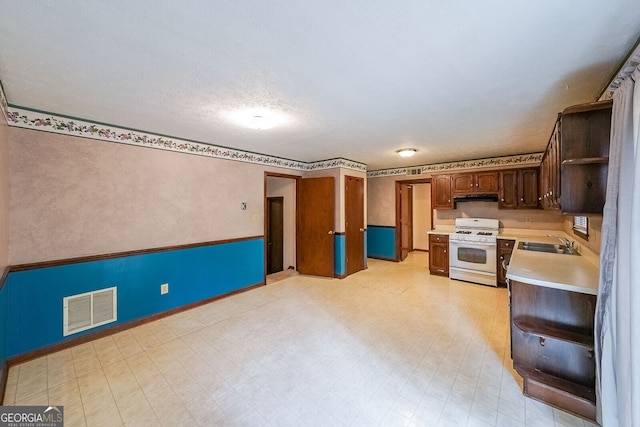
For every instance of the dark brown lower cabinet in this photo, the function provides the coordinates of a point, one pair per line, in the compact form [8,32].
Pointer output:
[505,249]
[552,346]
[439,254]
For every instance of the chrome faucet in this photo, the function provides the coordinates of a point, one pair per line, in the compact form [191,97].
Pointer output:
[568,243]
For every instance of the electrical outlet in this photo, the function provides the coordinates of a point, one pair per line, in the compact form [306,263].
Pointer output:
[527,219]
[255,217]
[164,288]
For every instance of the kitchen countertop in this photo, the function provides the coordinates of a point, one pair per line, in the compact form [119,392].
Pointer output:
[559,271]
[442,229]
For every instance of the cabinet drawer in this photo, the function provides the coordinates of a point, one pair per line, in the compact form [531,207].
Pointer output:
[438,238]
[506,243]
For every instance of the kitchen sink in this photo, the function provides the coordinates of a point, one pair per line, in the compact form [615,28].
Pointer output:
[551,248]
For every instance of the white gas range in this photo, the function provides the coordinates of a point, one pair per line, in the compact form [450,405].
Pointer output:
[473,250]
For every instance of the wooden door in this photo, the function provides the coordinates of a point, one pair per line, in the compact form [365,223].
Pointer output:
[404,219]
[354,223]
[275,224]
[315,226]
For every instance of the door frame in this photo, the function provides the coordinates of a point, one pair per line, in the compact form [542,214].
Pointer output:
[398,183]
[265,207]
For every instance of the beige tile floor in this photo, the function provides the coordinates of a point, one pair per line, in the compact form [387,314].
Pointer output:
[388,346]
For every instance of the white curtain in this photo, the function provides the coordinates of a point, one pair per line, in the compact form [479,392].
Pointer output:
[617,323]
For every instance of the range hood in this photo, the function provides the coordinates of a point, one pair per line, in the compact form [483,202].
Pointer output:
[476,198]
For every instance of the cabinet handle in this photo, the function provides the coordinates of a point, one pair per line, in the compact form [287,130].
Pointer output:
[522,199]
[502,200]
[445,251]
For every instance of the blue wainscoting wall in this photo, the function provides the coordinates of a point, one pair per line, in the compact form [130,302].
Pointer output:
[381,242]
[340,255]
[3,330]
[33,319]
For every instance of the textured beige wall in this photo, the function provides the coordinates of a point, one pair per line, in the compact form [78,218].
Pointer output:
[74,197]
[4,194]
[286,188]
[381,203]
[595,232]
[421,215]
[533,219]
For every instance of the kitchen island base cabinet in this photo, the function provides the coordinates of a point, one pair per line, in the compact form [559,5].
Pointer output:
[552,346]
[439,254]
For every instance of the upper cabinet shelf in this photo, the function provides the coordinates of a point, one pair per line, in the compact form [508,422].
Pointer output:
[586,161]
[573,173]
[584,150]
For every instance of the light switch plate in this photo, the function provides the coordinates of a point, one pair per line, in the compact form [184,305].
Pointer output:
[164,288]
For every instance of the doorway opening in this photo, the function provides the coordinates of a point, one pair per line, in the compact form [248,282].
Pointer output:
[414,216]
[280,226]
[307,225]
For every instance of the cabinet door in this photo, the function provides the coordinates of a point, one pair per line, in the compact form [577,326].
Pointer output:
[554,171]
[486,182]
[528,188]
[439,254]
[505,249]
[441,192]
[463,183]
[549,190]
[508,190]
[543,183]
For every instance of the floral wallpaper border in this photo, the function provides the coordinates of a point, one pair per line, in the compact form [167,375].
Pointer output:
[47,122]
[517,160]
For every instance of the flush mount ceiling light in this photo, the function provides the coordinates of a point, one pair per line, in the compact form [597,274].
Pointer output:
[406,152]
[259,118]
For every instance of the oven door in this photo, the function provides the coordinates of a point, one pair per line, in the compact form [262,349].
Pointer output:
[473,256]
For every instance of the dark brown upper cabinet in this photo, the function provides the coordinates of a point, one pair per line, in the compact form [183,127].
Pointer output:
[549,183]
[441,197]
[519,189]
[474,182]
[584,150]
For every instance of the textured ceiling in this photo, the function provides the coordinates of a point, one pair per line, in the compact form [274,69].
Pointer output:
[360,79]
